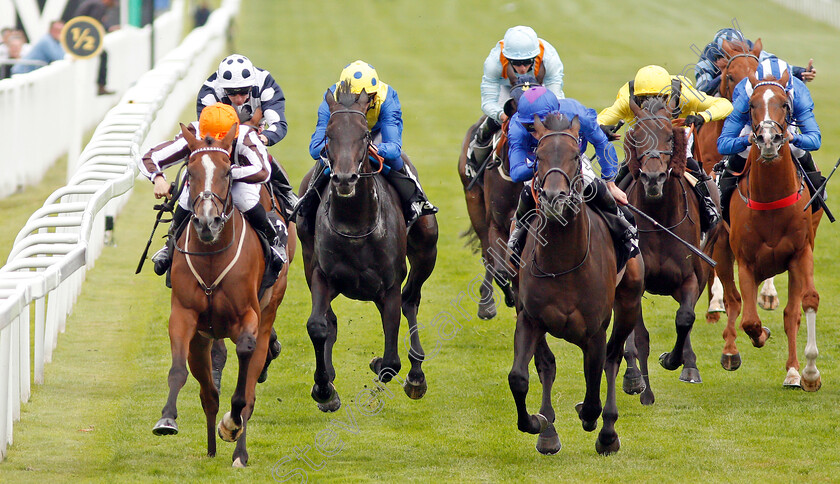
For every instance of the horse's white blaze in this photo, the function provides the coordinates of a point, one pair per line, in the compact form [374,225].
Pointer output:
[768,95]
[810,372]
[209,170]
[769,288]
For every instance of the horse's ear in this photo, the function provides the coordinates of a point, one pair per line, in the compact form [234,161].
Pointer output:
[637,111]
[192,141]
[539,127]
[509,107]
[575,126]
[329,96]
[785,78]
[364,100]
[727,47]
[757,47]
[753,80]
[227,141]
[674,107]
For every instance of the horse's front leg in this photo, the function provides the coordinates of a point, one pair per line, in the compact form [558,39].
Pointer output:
[687,296]
[323,391]
[548,441]
[750,321]
[200,366]
[182,327]
[498,264]
[525,339]
[801,289]
[730,359]
[594,355]
[388,366]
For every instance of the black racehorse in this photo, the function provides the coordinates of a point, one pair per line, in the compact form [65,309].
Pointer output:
[356,245]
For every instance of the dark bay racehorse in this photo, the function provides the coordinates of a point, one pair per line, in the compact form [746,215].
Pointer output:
[358,247]
[567,288]
[656,158]
[216,274]
[771,232]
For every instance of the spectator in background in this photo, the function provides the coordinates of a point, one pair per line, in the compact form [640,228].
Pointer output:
[14,53]
[201,14]
[47,50]
[99,9]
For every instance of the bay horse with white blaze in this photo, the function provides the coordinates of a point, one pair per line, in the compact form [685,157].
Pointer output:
[356,245]
[568,287]
[216,274]
[656,158]
[771,232]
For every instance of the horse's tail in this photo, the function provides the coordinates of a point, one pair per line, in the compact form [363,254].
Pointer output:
[473,242]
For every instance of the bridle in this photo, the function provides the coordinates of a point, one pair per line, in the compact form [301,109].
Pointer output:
[536,187]
[225,205]
[771,124]
[653,153]
[368,143]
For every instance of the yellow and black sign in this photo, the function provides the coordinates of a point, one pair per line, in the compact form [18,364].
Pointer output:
[82,37]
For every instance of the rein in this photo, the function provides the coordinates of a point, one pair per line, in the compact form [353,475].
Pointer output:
[737,56]
[543,274]
[663,228]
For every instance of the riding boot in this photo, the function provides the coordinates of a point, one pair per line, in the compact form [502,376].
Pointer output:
[481,145]
[163,257]
[709,216]
[620,224]
[414,201]
[309,201]
[282,187]
[813,174]
[258,218]
[524,210]
[728,181]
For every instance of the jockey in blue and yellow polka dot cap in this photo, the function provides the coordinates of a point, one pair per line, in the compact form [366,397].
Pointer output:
[384,119]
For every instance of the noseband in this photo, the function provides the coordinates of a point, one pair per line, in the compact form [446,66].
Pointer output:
[226,205]
[771,124]
[368,143]
[653,153]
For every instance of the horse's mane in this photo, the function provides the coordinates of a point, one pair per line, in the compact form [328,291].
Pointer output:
[343,94]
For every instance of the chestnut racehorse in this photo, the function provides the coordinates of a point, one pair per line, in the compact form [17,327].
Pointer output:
[356,245]
[771,232]
[567,288]
[216,275]
[656,158]
[491,206]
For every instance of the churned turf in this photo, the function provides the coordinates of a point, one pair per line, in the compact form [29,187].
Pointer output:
[92,419]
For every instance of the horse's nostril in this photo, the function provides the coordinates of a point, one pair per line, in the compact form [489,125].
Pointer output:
[217,221]
[354,177]
[661,178]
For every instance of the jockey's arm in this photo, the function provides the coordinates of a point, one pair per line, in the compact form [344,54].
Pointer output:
[730,141]
[809,137]
[252,156]
[491,86]
[619,110]
[390,127]
[164,155]
[604,150]
[206,96]
[273,104]
[319,138]
[553,80]
[710,108]
[519,141]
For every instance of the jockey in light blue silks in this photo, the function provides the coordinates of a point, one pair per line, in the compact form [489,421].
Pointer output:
[804,132]
[384,119]
[519,53]
[600,193]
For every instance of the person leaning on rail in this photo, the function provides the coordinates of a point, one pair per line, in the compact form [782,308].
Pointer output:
[695,107]
[249,169]
[251,91]
[520,52]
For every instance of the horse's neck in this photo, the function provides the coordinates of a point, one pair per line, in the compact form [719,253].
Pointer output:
[567,243]
[359,211]
[775,180]
[671,207]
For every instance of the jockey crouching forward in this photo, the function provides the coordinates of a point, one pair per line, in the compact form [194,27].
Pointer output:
[736,137]
[519,53]
[696,107]
[600,193]
[249,169]
[259,102]
[384,120]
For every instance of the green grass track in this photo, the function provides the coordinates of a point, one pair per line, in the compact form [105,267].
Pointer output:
[105,388]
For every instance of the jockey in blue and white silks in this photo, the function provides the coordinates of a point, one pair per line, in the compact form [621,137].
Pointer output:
[804,131]
[519,53]
[384,120]
[599,193]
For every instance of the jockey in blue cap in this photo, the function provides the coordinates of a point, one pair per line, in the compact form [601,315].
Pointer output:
[804,132]
[707,71]
[600,193]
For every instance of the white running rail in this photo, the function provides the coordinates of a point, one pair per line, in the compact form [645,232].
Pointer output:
[44,273]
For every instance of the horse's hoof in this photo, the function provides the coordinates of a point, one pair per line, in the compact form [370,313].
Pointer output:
[415,390]
[811,386]
[383,374]
[228,430]
[730,362]
[548,443]
[263,376]
[647,398]
[633,383]
[608,449]
[690,375]
[792,379]
[665,362]
[486,311]
[238,464]
[318,395]
[712,318]
[588,425]
[759,342]
[768,303]
[165,426]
